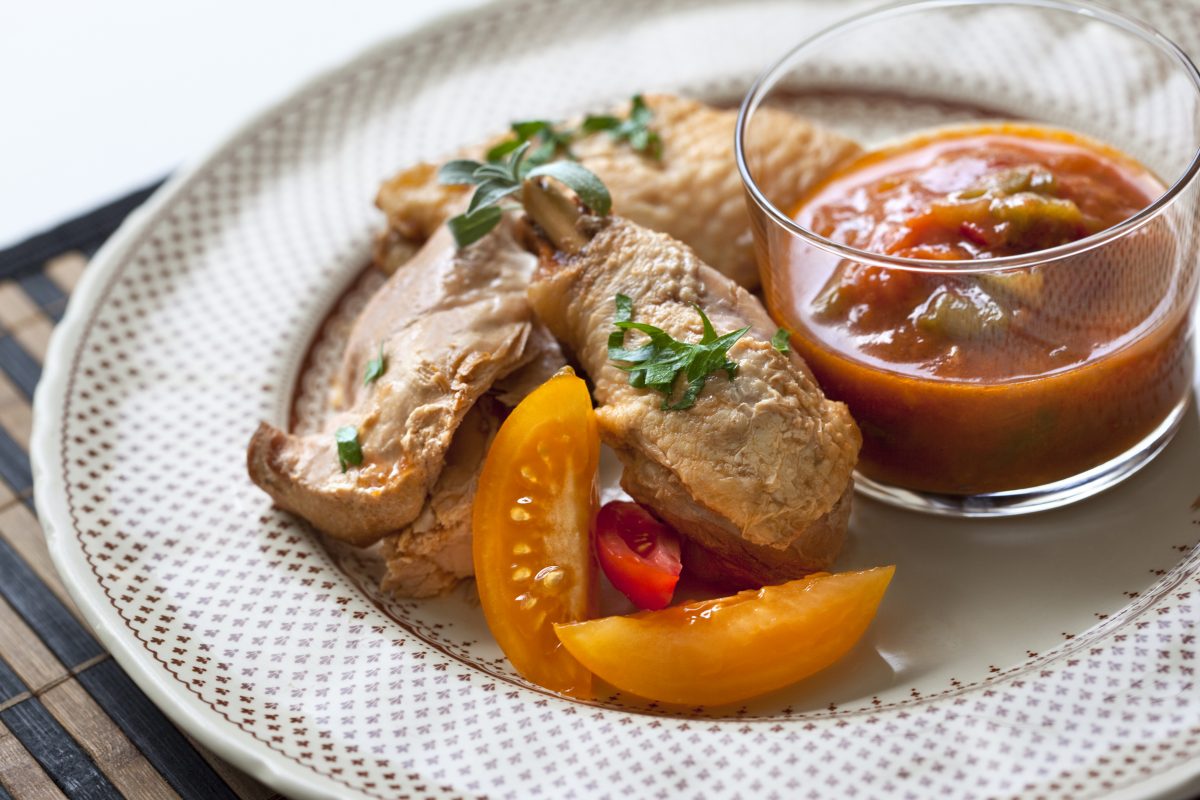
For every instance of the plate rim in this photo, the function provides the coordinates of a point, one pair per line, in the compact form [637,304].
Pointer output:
[249,754]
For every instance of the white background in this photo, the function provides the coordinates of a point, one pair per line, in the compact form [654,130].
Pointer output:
[100,98]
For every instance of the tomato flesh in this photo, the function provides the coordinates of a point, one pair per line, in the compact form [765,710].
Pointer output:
[533,509]
[638,553]
[729,649]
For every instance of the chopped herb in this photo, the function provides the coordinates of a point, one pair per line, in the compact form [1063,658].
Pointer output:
[553,142]
[375,367]
[496,181]
[582,181]
[460,172]
[530,153]
[550,141]
[659,363]
[468,229]
[634,129]
[349,450]
[780,341]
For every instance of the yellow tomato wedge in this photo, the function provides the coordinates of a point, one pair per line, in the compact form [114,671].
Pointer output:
[728,649]
[533,509]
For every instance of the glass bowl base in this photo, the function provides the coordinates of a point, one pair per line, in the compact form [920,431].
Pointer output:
[1036,498]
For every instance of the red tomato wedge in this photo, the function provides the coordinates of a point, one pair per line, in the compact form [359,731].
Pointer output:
[720,651]
[638,553]
[533,509]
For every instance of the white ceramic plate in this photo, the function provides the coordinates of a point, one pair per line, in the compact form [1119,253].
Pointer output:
[1049,656]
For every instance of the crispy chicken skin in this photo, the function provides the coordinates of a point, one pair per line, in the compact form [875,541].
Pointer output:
[693,193]
[450,323]
[431,555]
[758,471]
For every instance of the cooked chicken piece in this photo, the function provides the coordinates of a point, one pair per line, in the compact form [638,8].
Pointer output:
[450,323]
[758,471]
[447,340]
[543,359]
[433,554]
[693,193]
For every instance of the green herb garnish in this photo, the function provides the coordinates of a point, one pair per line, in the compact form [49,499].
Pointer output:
[550,141]
[780,341]
[469,229]
[659,363]
[348,448]
[634,129]
[496,181]
[375,367]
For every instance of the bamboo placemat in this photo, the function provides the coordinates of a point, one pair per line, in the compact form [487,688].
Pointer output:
[72,723]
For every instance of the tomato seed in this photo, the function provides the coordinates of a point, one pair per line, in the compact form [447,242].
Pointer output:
[551,577]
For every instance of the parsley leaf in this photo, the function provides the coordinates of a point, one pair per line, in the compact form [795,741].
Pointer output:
[496,181]
[349,450]
[590,189]
[468,229]
[550,141]
[660,362]
[459,172]
[594,123]
[375,367]
[780,341]
[531,153]
[634,129]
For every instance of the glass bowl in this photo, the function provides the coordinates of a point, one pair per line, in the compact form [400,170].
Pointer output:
[1089,375]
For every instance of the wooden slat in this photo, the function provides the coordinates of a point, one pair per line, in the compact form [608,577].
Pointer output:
[153,733]
[63,634]
[7,497]
[15,305]
[34,335]
[16,416]
[25,653]
[66,269]
[20,527]
[242,784]
[14,464]
[45,292]
[114,754]
[21,368]
[12,689]
[21,775]
[59,754]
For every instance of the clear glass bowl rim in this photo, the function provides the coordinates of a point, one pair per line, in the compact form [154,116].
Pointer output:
[769,77]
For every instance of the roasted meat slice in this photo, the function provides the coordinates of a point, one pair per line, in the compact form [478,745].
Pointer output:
[692,193]
[431,555]
[758,471]
[450,323]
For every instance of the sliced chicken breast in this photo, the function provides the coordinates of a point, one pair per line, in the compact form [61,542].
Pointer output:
[758,472]
[433,553]
[449,324]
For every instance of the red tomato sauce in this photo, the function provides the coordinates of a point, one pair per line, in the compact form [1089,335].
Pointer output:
[968,383]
